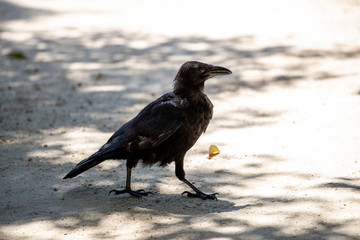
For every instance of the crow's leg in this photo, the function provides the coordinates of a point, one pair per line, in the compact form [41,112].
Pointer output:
[138,193]
[180,173]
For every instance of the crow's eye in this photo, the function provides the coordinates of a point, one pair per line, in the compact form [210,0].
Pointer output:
[202,70]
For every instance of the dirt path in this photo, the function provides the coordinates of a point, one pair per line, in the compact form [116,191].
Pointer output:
[286,122]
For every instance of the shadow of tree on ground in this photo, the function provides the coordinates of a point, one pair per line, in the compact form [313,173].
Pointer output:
[82,89]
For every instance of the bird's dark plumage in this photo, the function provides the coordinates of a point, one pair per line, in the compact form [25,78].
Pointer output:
[164,130]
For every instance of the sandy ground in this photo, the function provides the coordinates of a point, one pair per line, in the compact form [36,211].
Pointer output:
[287,121]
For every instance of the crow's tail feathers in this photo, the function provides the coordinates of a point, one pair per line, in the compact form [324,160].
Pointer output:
[87,163]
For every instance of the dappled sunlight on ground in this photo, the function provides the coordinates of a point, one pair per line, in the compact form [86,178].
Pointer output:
[286,121]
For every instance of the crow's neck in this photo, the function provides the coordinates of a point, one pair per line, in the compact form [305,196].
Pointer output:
[191,92]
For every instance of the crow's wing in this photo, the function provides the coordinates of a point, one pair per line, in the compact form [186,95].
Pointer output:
[152,126]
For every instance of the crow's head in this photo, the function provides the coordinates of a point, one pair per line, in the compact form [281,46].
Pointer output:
[193,73]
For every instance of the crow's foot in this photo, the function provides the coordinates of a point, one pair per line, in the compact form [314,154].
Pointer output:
[201,195]
[138,193]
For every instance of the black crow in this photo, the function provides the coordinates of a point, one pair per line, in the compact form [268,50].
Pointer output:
[164,130]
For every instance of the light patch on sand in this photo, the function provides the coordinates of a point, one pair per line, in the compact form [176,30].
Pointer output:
[104,88]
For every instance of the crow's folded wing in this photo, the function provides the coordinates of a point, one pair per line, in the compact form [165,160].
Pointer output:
[152,126]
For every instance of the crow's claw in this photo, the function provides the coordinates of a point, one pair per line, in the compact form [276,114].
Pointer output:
[138,193]
[201,195]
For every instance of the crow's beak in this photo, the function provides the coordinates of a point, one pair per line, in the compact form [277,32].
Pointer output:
[217,71]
